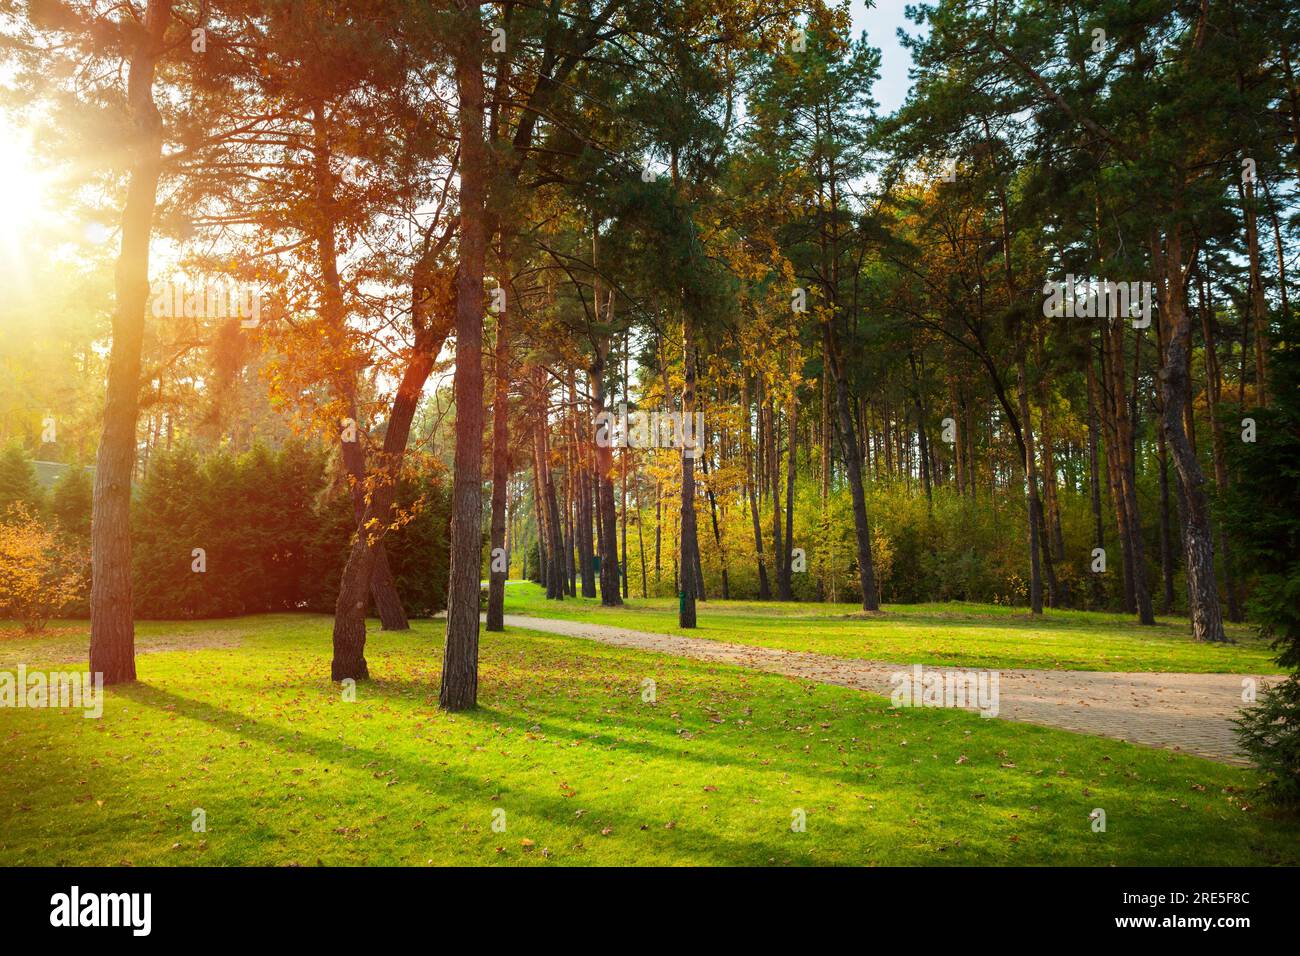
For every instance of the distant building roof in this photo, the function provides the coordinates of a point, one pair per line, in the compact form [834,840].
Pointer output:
[48,473]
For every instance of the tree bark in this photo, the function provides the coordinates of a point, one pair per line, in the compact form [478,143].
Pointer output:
[780,554]
[1031,490]
[459,686]
[1166,547]
[713,514]
[607,525]
[582,488]
[852,465]
[388,604]
[1094,477]
[686,608]
[1175,384]
[500,450]
[1213,392]
[350,606]
[112,624]
[764,588]
[792,426]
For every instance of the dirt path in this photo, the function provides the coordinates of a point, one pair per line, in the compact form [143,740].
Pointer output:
[1189,713]
[67,645]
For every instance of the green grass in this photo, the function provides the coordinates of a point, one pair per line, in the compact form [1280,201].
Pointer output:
[969,635]
[253,732]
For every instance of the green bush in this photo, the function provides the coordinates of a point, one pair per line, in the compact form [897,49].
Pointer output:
[1262,511]
[418,551]
[18,485]
[274,532]
[72,502]
[1270,733]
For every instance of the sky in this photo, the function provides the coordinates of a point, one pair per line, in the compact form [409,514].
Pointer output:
[881,22]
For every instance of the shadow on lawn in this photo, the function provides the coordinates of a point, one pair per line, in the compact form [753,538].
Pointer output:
[629,736]
[461,788]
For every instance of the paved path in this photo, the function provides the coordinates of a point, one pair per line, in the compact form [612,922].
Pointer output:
[1190,713]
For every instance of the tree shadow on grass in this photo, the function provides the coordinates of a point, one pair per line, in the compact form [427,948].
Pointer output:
[459,787]
[633,728]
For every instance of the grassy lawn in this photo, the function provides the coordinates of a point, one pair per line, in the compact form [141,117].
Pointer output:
[238,718]
[969,635]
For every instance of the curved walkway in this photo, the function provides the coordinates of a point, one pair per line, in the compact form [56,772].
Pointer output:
[1189,713]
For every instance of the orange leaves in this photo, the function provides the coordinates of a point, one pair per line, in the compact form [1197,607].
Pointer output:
[39,575]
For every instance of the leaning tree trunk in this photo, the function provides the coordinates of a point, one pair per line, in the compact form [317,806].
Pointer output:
[350,607]
[459,687]
[1175,384]
[112,626]
[387,602]
[383,590]
[853,465]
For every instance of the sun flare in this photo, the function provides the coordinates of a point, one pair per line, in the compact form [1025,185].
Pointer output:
[22,188]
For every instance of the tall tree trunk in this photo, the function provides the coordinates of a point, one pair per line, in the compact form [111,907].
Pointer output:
[570,523]
[1031,490]
[1166,539]
[1278,251]
[607,524]
[764,588]
[500,450]
[554,531]
[539,518]
[713,514]
[853,466]
[622,462]
[825,572]
[1126,472]
[921,440]
[1175,384]
[659,529]
[1213,392]
[388,604]
[780,554]
[350,606]
[1051,496]
[689,549]
[1111,433]
[459,687]
[959,439]
[640,537]
[1094,477]
[583,491]
[1255,299]
[792,426]
[112,624]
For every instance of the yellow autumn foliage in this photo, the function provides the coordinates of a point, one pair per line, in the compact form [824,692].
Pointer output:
[39,574]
